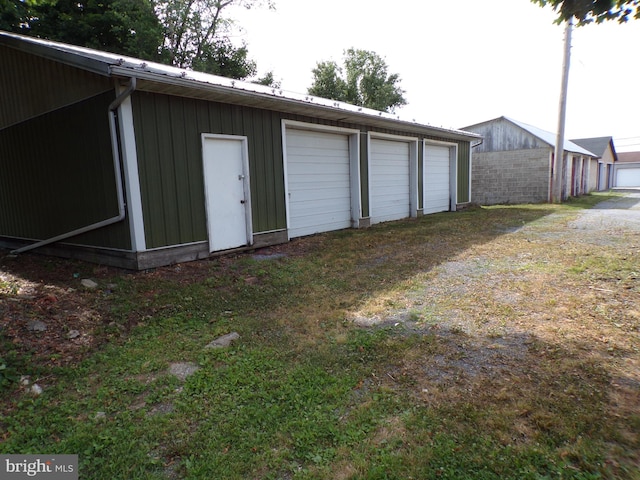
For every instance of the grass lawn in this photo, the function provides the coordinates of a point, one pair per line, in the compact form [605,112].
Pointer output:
[491,343]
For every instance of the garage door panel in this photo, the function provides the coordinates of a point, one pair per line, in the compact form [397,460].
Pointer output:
[628,177]
[325,195]
[319,182]
[314,224]
[308,140]
[318,179]
[328,157]
[385,174]
[437,193]
[319,168]
[390,180]
[388,192]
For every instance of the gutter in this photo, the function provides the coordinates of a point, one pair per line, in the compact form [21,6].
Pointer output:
[115,147]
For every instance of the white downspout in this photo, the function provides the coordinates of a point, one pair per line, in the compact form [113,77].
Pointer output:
[115,147]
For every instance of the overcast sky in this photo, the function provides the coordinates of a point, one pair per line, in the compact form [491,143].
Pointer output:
[465,61]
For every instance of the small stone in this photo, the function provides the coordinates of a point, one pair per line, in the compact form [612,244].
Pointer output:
[73,334]
[100,415]
[183,370]
[367,321]
[223,341]
[25,380]
[87,283]
[36,326]
[36,389]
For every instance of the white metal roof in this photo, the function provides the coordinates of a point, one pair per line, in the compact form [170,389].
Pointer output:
[550,138]
[219,88]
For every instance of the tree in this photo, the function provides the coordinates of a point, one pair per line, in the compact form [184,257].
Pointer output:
[13,14]
[588,11]
[328,82]
[185,33]
[268,80]
[196,35]
[365,81]
[221,57]
[127,27]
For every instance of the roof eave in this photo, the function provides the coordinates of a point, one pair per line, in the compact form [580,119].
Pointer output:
[237,95]
[52,53]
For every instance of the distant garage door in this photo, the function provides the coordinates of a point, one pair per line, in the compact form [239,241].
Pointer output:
[390,180]
[628,177]
[437,196]
[318,182]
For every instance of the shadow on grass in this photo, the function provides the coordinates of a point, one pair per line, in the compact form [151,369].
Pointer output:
[302,288]
[424,402]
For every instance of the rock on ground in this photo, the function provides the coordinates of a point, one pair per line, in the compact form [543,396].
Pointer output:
[182,370]
[224,341]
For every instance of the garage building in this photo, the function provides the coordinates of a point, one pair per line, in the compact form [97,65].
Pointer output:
[135,164]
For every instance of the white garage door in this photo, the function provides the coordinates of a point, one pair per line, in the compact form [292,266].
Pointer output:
[628,177]
[437,196]
[390,197]
[318,182]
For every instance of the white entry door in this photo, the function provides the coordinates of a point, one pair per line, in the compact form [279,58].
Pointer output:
[228,200]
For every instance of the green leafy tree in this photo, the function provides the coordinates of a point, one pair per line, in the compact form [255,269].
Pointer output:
[363,81]
[13,14]
[192,34]
[328,82]
[588,11]
[197,35]
[128,27]
[268,80]
[222,58]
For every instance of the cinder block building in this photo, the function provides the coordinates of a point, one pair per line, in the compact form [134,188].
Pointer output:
[514,163]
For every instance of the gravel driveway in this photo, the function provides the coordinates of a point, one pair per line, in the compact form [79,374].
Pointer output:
[621,214]
[545,287]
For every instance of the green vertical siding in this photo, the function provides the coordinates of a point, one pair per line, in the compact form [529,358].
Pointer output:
[464,172]
[420,175]
[31,86]
[169,196]
[57,176]
[364,175]
[169,148]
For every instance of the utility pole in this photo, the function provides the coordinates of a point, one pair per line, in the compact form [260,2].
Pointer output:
[558,156]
